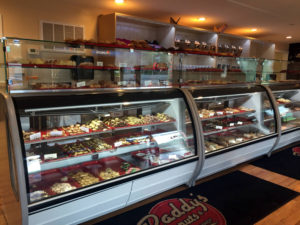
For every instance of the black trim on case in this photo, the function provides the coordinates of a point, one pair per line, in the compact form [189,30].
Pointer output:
[63,100]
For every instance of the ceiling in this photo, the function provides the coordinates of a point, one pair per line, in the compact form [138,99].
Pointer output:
[273,19]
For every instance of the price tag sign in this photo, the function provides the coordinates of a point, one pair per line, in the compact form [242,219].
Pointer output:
[220,113]
[219,127]
[118,143]
[50,156]
[201,115]
[211,114]
[56,133]
[85,129]
[231,124]
[240,123]
[35,136]
[80,84]
[33,164]
[229,112]
[239,139]
[117,114]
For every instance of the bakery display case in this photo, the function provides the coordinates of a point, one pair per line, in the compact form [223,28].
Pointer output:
[233,116]
[199,70]
[46,65]
[77,145]
[287,96]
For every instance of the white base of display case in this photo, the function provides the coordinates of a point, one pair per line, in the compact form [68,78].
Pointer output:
[157,183]
[289,138]
[230,159]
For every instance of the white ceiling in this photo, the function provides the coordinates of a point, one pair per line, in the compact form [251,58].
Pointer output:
[273,19]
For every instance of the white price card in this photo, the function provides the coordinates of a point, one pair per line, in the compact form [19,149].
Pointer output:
[239,139]
[166,138]
[173,157]
[33,163]
[118,143]
[229,112]
[240,123]
[85,129]
[231,124]
[211,114]
[81,84]
[35,136]
[99,63]
[50,156]
[219,127]
[220,113]
[56,133]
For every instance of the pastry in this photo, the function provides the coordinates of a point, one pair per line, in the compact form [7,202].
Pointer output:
[205,113]
[245,109]
[30,136]
[55,133]
[96,124]
[97,144]
[109,174]
[62,187]
[84,178]
[147,119]
[164,117]
[75,149]
[115,122]
[76,129]
[283,100]
[38,195]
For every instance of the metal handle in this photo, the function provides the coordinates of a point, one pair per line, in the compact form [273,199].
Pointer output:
[199,138]
[277,118]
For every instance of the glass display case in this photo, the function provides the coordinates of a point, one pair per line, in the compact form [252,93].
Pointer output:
[233,115]
[288,102]
[198,70]
[72,142]
[44,65]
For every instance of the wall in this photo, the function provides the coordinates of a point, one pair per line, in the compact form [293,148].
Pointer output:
[21,18]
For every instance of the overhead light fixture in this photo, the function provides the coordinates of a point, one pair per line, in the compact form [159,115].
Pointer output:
[253,29]
[119,1]
[201,19]
[288,37]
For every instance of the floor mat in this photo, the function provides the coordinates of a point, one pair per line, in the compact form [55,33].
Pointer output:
[235,198]
[283,162]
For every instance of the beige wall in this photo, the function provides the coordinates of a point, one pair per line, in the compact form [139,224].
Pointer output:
[21,18]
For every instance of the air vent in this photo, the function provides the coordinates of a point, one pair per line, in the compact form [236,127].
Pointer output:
[60,32]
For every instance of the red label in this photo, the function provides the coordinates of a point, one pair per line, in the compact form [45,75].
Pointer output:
[183,211]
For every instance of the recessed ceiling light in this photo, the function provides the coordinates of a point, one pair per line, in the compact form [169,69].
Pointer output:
[288,37]
[253,29]
[119,1]
[201,18]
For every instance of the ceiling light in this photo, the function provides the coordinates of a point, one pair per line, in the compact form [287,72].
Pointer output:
[201,18]
[288,37]
[254,29]
[119,1]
